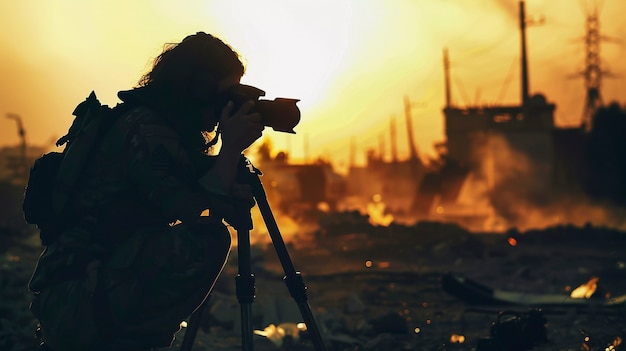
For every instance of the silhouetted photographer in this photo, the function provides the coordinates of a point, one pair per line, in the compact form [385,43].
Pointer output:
[128,255]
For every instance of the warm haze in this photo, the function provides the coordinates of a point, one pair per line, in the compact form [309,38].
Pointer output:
[350,62]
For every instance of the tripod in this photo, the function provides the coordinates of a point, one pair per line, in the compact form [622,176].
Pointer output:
[245,289]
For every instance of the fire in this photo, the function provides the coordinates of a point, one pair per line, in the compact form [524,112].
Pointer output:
[585,290]
[294,232]
[376,212]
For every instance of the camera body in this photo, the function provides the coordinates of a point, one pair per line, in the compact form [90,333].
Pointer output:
[281,114]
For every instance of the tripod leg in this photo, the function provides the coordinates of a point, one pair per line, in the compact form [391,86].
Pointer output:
[250,174]
[245,288]
[192,327]
[293,279]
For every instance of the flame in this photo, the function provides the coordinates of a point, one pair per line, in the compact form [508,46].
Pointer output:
[585,290]
[376,212]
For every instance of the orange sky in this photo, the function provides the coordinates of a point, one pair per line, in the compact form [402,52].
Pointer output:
[350,62]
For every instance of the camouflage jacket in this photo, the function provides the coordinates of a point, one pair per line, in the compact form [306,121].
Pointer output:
[141,175]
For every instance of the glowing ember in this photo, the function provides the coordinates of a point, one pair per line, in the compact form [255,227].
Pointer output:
[512,241]
[276,333]
[384,264]
[585,290]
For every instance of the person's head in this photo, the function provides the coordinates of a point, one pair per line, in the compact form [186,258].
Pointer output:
[189,75]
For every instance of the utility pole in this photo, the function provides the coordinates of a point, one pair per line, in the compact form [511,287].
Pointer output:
[446,77]
[409,129]
[22,164]
[524,59]
[414,159]
[394,145]
[523,23]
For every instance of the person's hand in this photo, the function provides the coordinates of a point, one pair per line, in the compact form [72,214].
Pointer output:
[241,129]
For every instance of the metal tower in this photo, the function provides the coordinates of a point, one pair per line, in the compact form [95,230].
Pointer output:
[593,71]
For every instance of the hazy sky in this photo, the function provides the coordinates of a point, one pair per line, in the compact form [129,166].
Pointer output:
[349,61]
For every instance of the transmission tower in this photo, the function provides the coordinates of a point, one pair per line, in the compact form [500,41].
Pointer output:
[593,72]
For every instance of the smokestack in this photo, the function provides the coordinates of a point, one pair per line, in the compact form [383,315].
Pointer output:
[524,61]
[409,128]
[394,145]
[446,77]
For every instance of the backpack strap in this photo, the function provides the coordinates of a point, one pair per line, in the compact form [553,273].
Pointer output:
[83,116]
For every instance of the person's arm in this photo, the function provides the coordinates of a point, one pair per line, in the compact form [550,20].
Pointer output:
[161,170]
[238,132]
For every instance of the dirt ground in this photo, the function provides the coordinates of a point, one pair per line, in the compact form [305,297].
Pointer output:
[379,288]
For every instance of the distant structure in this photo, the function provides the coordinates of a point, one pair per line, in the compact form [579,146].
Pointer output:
[409,127]
[500,160]
[18,164]
[472,130]
[593,71]
[515,156]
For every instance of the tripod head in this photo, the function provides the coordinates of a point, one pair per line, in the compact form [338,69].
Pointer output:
[247,173]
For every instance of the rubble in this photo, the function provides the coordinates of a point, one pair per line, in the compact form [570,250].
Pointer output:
[361,304]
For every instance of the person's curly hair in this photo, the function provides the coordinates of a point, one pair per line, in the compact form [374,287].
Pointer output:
[199,58]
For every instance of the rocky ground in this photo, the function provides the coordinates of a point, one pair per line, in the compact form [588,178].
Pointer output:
[379,288]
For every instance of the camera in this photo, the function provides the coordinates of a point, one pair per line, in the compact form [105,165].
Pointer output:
[281,114]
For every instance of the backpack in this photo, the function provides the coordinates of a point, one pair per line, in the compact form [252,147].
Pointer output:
[54,175]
